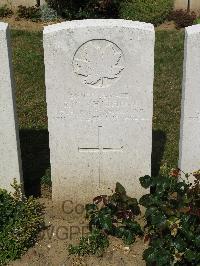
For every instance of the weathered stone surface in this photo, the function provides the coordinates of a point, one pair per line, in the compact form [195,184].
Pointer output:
[181,4]
[194,5]
[10,164]
[99,81]
[189,147]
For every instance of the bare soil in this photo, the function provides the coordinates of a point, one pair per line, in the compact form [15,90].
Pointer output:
[64,229]
[168,25]
[23,24]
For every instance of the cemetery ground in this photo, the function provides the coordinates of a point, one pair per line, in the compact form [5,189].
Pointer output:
[51,248]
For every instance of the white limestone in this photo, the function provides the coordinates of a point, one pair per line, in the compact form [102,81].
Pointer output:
[10,164]
[99,82]
[189,148]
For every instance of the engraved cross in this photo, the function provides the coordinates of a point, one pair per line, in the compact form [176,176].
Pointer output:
[100,149]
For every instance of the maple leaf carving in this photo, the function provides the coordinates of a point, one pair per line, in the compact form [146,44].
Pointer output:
[98,60]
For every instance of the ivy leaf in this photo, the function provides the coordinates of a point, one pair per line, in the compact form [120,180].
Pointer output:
[119,231]
[181,188]
[106,222]
[187,233]
[145,200]
[126,234]
[133,205]
[173,221]
[128,237]
[90,209]
[120,189]
[163,185]
[146,181]
[134,227]
[155,217]
[150,255]
[150,200]
[157,256]
[197,241]
[191,255]
[179,244]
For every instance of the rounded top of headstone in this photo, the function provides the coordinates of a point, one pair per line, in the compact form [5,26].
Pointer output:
[99,23]
[3,26]
[192,29]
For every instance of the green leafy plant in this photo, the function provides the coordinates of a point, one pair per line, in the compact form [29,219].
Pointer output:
[182,18]
[33,13]
[115,215]
[5,11]
[21,220]
[152,11]
[111,215]
[46,179]
[86,8]
[172,220]
[94,243]
[48,13]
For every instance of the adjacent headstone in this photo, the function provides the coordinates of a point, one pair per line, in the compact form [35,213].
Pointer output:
[195,6]
[189,148]
[181,4]
[99,82]
[10,164]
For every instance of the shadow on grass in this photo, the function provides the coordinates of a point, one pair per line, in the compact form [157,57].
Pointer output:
[35,158]
[158,147]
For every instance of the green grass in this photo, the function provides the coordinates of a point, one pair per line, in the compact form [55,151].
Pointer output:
[29,75]
[167,91]
[31,106]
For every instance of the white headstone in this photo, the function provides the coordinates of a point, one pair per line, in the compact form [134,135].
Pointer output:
[10,164]
[189,148]
[99,81]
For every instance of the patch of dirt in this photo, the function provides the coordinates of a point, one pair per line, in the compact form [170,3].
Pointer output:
[168,25]
[23,24]
[66,227]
